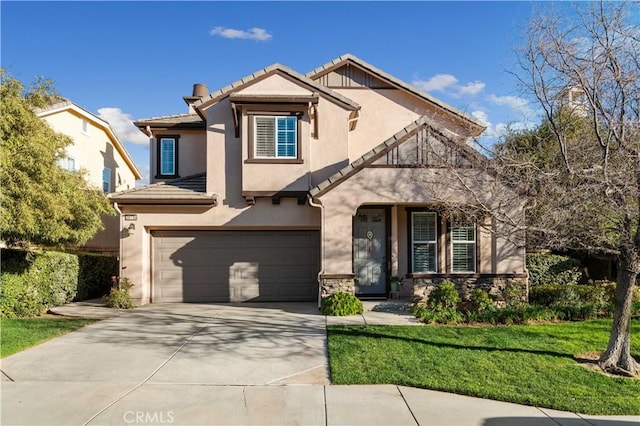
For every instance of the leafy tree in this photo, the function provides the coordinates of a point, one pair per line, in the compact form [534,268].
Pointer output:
[581,166]
[41,203]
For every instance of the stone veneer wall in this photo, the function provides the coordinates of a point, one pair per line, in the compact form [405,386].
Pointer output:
[495,286]
[335,285]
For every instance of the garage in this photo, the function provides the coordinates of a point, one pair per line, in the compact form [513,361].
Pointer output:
[235,266]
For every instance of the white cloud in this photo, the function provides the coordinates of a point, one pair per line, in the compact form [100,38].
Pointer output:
[517,104]
[448,84]
[438,82]
[482,116]
[255,33]
[471,88]
[122,125]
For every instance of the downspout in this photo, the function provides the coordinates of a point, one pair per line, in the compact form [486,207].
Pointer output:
[120,250]
[321,273]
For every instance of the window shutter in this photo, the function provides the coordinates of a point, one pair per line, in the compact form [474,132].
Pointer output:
[265,137]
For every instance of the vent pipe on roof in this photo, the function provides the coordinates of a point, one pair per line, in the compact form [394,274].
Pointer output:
[199,91]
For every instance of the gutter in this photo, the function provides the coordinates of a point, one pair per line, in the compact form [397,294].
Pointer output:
[321,272]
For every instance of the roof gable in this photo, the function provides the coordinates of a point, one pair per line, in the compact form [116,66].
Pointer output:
[66,105]
[423,143]
[264,73]
[351,71]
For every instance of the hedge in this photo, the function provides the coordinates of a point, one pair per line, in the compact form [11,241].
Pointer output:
[32,282]
[547,268]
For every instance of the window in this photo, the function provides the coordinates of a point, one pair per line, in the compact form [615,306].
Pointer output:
[67,163]
[463,247]
[424,247]
[85,126]
[275,137]
[106,180]
[167,165]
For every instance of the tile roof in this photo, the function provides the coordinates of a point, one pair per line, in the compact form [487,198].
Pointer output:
[175,120]
[215,96]
[386,146]
[185,190]
[349,58]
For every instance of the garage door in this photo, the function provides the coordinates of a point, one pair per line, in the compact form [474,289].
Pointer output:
[235,266]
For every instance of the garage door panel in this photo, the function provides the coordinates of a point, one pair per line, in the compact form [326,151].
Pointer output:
[231,266]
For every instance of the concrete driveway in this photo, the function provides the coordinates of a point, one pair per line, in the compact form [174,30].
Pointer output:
[82,373]
[188,364]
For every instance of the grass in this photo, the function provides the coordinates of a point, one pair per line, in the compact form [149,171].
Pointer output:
[21,333]
[532,365]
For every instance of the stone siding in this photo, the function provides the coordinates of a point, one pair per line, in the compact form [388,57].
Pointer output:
[336,285]
[495,286]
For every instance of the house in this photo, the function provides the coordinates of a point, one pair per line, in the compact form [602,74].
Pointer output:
[285,186]
[98,152]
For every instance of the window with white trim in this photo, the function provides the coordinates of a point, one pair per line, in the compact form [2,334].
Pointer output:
[67,163]
[85,126]
[463,247]
[275,136]
[424,242]
[106,180]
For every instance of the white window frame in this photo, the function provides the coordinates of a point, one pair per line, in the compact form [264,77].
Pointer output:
[473,242]
[162,172]
[414,241]
[275,140]
[85,127]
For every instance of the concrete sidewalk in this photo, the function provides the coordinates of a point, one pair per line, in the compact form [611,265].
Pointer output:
[190,364]
[100,403]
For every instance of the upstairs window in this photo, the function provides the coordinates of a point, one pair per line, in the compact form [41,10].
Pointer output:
[167,165]
[85,126]
[275,137]
[463,247]
[106,180]
[424,245]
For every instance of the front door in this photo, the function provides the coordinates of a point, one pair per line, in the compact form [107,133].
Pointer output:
[370,251]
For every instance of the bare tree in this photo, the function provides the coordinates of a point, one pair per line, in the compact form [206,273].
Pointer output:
[583,69]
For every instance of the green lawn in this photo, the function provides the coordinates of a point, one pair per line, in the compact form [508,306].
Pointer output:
[21,333]
[531,365]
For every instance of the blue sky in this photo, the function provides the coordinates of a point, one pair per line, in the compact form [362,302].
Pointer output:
[130,60]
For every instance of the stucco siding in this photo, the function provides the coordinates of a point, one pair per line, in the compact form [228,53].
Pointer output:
[407,187]
[192,153]
[92,151]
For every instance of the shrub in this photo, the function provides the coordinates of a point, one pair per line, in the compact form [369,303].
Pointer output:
[33,282]
[521,314]
[547,268]
[94,275]
[514,295]
[557,295]
[442,316]
[119,297]
[480,300]
[341,304]
[444,297]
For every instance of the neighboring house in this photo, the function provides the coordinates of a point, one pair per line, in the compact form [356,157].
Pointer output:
[98,152]
[285,187]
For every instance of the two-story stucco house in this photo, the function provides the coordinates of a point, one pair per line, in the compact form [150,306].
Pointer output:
[98,152]
[285,187]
